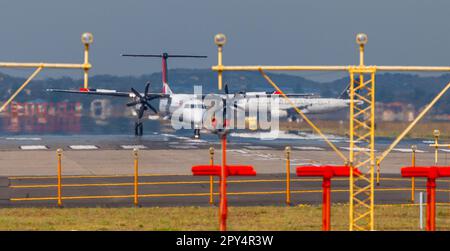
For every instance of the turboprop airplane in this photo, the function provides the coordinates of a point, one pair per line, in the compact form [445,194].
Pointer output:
[193,108]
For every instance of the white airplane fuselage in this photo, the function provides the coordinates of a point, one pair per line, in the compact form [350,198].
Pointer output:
[193,108]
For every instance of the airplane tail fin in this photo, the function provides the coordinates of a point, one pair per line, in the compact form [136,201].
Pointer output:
[345,94]
[166,89]
[164,56]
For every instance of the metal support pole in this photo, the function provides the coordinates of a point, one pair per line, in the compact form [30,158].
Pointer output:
[20,88]
[85,68]
[86,38]
[378,172]
[431,204]
[220,40]
[326,204]
[413,179]
[413,123]
[288,175]
[211,178]
[136,175]
[362,142]
[219,63]
[223,210]
[59,157]
[351,157]
[436,134]
[421,210]
[310,123]
[362,125]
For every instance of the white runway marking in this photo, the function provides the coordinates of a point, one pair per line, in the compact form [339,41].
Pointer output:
[258,147]
[34,147]
[237,151]
[406,150]
[445,150]
[22,138]
[308,148]
[128,147]
[309,163]
[83,147]
[195,141]
[183,146]
[357,149]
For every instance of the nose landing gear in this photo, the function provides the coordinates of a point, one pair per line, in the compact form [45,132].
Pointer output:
[196,133]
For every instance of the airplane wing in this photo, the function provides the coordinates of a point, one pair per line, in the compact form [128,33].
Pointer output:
[104,92]
[292,111]
[278,94]
[302,95]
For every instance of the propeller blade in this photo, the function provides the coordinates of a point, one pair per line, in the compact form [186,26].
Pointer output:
[186,56]
[224,113]
[151,107]
[142,55]
[136,92]
[153,97]
[238,107]
[226,89]
[133,103]
[141,112]
[147,87]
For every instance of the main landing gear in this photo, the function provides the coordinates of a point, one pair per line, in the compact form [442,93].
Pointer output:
[138,128]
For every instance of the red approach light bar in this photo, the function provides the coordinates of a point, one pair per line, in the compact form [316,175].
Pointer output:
[431,173]
[326,172]
[231,170]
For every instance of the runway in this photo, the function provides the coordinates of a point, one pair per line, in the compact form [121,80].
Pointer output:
[105,162]
[176,190]
[183,140]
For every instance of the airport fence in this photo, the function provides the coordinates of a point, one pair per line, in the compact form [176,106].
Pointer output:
[134,181]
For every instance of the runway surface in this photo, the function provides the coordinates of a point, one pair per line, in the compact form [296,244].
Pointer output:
[250,140]
[174,190]
[165,161]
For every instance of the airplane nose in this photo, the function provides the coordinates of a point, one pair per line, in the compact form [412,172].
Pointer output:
[197,117]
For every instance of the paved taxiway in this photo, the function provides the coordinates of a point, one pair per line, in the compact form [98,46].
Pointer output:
[177,161]
[176,190]
[165,168]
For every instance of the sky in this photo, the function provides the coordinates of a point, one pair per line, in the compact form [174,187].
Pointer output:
[275,32]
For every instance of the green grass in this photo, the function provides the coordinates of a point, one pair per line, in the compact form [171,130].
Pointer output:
[206,218]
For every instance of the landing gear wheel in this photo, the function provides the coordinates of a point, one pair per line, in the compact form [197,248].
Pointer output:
[138,129]
[196,133]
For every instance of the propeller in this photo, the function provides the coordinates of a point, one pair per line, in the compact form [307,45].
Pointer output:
[227,100]
[235,105]
[143,101]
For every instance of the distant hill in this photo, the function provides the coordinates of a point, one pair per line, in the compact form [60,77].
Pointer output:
[406,88]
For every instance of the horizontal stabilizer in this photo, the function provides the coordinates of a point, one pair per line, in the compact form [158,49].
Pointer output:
[164,55]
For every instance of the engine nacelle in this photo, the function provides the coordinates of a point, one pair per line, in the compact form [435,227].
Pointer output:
[193,116]
[277,113]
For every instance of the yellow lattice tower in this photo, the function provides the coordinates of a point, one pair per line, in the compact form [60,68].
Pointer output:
[362,122]
[362,142]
